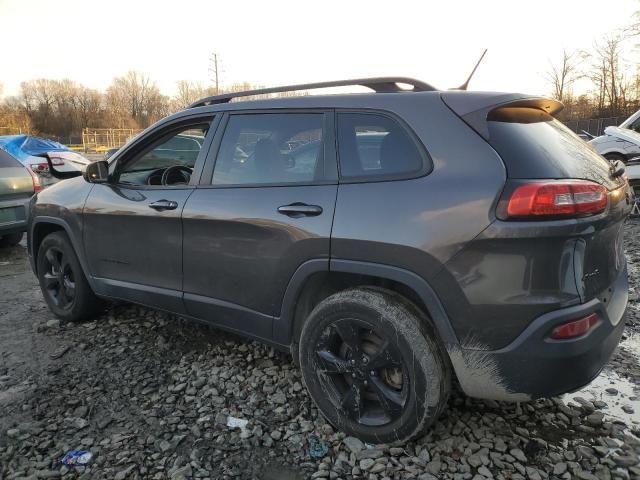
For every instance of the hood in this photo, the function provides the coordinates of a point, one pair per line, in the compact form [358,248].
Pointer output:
[624,134]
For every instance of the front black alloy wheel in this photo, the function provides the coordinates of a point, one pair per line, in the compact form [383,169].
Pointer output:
[62,281]
[373,365]
[58,276]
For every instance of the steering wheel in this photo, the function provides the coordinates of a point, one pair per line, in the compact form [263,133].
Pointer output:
[185,172]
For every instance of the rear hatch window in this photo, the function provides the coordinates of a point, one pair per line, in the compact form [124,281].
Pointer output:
[7,161]
[534,145]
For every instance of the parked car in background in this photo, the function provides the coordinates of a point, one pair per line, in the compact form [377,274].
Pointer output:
[395,242]
[28,150]
[17,184]
[107,155]
[621,142]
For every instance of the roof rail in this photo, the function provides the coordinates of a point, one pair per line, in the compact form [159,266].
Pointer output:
[379,85]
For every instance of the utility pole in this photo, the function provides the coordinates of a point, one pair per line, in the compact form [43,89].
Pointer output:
[214,70]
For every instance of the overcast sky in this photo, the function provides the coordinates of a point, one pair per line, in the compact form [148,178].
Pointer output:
[270,42]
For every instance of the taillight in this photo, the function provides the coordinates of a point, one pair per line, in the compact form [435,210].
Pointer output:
[574,328]
[44,166]
[557,198]
[37,186]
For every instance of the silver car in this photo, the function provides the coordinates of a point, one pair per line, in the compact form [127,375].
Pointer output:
[17,185]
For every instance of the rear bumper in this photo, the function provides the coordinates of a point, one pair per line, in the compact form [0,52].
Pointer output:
[20,223]
[535,366]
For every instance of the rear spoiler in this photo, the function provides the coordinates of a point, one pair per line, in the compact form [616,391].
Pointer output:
[474,108]
[55,173]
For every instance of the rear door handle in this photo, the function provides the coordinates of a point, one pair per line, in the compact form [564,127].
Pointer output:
[161,205]
[298,209]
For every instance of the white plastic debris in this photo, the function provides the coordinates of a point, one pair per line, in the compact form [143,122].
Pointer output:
[233,422]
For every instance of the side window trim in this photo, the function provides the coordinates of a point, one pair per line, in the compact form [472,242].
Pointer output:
[427,162]
[159,132]
[330,163]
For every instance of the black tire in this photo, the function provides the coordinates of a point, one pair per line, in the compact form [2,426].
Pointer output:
[399,385]
[62,281]
[10,239]
[615,156]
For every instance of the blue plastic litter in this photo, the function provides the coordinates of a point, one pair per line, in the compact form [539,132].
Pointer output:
[317,448]
[77,457]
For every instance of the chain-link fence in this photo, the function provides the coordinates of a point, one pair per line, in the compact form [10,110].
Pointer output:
[11,131]
[594,126]
[102,139]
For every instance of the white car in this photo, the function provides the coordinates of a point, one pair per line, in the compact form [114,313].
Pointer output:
[31,152]
[622,142]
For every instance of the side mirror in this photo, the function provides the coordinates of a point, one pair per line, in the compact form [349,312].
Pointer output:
[97,172]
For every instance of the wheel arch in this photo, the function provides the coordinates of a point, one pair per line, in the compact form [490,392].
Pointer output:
[614,151]
[43,226]
[315,280]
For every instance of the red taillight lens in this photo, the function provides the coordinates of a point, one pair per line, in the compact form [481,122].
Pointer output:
[44,166]
[575,328]
[37,186]
[557,198]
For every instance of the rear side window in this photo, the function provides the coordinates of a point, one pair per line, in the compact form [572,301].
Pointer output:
[375,146]
[7,161]
[534,145]
[271,148]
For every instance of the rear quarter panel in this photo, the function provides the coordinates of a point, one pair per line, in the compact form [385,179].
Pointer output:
[420,224]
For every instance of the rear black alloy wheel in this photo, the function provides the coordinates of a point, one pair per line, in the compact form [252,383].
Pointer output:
[373,365]
[365,371]
[62,281]
[59,283]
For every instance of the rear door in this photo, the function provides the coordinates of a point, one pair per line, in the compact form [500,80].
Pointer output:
[264,206]
[16,187]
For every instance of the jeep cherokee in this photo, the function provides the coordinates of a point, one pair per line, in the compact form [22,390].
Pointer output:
[394,242]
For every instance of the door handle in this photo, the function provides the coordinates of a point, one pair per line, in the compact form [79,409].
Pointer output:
[298,209]
[162,205]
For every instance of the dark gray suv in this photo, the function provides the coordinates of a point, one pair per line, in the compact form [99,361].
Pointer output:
[394,242]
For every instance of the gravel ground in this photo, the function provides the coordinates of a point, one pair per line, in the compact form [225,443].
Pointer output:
[150,396]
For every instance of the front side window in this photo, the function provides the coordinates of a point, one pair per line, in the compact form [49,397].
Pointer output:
[177,150]
[372,145]
[271,148]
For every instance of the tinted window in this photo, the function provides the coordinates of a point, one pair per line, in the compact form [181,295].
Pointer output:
[180,147]
[7,161]
[372,145]
[270,148]
[533,144]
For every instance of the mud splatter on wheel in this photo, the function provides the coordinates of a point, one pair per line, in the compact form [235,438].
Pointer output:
[373,365]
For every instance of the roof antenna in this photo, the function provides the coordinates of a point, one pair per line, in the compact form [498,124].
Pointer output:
[466,84]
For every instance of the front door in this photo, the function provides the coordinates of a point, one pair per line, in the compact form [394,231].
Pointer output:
[266,209]
[133,230]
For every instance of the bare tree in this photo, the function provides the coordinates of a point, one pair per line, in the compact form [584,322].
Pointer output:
[563,75]
[89,107]
[137,97]
[608,76]
[187,93]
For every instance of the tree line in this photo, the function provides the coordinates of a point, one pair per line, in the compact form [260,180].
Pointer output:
[62,108]
[609,69]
